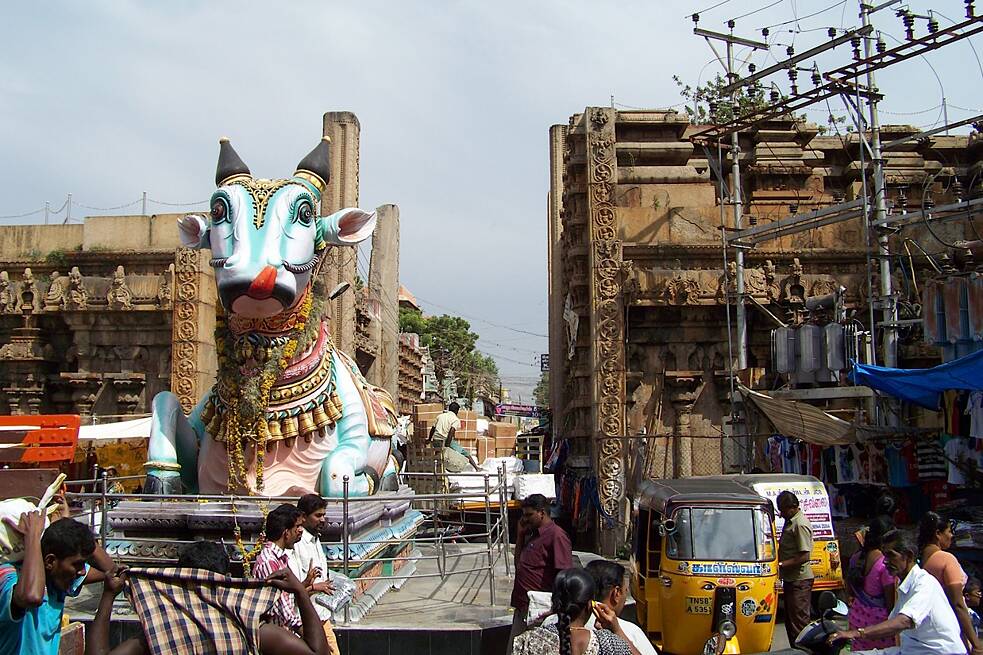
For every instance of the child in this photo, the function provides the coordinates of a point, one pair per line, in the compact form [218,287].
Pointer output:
[971,592]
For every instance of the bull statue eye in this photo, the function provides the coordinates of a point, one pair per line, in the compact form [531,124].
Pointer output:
[305,213]
[218,211]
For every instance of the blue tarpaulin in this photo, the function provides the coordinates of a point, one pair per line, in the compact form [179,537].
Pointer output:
[922,386]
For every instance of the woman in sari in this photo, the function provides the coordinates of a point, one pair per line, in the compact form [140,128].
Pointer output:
[573,603]
[871,587]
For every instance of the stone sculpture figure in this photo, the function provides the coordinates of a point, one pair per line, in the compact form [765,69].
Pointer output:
[119,295]
[30,295]
[288,411]
[165,288]
[55,297]
[78,297]
[8,300]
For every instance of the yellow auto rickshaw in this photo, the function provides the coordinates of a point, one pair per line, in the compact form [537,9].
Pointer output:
[704,566]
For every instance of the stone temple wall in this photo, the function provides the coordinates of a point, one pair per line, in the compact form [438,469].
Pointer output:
[638,286]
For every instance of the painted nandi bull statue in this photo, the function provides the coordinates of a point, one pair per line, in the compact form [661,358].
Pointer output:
[288,412]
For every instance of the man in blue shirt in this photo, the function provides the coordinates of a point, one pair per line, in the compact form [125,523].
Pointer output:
[33,593]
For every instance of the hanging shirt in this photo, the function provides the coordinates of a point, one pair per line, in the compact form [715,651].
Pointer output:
[974,409]
[931,460]
[897,468]
[955,452]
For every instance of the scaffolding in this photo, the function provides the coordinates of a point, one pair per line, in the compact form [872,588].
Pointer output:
[478,516]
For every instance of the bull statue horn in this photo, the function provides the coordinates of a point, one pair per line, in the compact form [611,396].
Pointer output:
[230,165]
[315,168]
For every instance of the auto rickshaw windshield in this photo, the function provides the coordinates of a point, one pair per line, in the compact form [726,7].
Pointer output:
[711,533]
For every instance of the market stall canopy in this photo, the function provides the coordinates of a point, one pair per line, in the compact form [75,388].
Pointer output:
[119,431]
[923,386]
[802,420]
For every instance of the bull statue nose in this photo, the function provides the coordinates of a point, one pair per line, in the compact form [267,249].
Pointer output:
[262,286]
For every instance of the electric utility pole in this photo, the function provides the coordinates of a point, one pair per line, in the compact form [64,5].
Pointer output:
[735,172]
[889,308]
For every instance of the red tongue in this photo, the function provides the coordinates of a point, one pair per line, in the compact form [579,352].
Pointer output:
[262,286]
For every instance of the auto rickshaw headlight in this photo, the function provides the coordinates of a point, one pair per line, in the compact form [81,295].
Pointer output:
[727,629]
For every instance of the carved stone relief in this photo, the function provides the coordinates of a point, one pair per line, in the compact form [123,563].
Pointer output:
[119,295]
[78,296]
[608,318]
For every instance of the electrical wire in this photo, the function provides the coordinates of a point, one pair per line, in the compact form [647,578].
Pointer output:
[760,9]
[482,320]
[797,19]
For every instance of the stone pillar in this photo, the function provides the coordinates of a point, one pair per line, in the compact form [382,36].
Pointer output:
[607,325]
[684,388]
[194,362]
[342,191]
[554,267]
[384,283]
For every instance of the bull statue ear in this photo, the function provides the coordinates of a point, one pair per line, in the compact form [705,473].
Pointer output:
[193,231]
[345,227]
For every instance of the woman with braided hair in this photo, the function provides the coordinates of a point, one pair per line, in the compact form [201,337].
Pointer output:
[573,604]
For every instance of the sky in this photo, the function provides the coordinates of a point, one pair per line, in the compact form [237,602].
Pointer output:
[107,100]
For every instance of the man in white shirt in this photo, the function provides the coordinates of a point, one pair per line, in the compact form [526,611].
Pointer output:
[921,614]
[307,560]
[612,590]
[442,434]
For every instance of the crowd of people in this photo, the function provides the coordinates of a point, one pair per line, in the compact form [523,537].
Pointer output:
[917,596]
[273,613]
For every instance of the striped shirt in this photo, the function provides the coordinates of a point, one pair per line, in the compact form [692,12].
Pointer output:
[273,558]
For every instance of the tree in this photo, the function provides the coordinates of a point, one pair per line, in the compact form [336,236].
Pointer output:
[710,105]
[452,348]
[541,394]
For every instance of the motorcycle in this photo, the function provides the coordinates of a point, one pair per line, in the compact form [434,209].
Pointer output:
[814,638]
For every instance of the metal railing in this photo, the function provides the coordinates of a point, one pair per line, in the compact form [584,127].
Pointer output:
[471,516]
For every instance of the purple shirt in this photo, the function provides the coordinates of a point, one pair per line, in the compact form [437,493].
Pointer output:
[546,553]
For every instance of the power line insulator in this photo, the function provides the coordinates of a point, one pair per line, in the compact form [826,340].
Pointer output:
[831,32]
[933,26]
[751,68]
[731,23]
[970,12]
[764,32]
[881,46]
[696,18]
[775,95]
[855,42]
[790,51]
[795,89]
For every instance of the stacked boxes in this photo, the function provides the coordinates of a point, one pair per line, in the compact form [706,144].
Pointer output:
[503,435]
[467,435]
[424,416]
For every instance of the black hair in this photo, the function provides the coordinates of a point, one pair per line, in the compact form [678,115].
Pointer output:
[573,590]
[929,528]
[280,520]
[873,540]
[896,541]
[607,575]
[311,503]
[972,584]
[206,555]
[66,538]
[453,407]
[537,502]
[787,497]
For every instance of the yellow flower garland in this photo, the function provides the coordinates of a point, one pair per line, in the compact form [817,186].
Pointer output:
[233,422]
